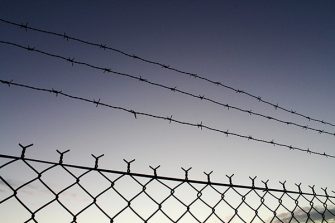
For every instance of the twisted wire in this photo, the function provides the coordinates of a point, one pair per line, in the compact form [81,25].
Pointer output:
[169,118]
[314,207]
[171,68]
[167,178]
[174,89]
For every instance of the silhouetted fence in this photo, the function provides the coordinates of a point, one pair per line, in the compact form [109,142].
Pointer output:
[42,191]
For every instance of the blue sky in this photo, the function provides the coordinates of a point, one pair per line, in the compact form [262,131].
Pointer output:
[282,51]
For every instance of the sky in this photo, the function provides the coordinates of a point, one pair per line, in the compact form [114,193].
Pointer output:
[280,50]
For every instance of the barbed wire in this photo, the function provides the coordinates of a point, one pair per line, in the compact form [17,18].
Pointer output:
[251,201]
[170,118]
[174,89]
[171,68]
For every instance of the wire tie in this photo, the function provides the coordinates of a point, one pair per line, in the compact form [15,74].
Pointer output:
[259,99]
[134,56]
[61,155]
[97,160]
[24,149]
[201,96]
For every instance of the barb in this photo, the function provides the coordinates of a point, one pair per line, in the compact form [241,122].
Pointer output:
[170,119]
[155,169]
[230,179]
[24,148]
[128,164]
[208,176]
[234,198]
[162,65]
[265,184]
[72,61]
[230,184]
[61,155]
[186,172]
[96,164]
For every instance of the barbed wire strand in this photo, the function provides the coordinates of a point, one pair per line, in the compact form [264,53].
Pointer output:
[156,176]
[168,118]
[174,89]
[171,68]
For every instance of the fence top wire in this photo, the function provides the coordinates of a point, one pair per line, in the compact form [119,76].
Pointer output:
[173,89]
[156,176]
[170,118]
[227,203]
[65,36]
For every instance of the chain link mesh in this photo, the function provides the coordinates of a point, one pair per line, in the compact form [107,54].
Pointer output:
[42,191]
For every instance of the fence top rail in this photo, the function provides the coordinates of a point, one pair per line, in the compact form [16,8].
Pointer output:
[186,179]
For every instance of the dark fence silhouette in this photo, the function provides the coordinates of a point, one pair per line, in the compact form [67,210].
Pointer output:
[42,191]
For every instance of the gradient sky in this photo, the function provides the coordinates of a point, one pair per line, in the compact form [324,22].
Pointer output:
[281,50]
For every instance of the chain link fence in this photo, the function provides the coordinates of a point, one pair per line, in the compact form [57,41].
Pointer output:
[42,191]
